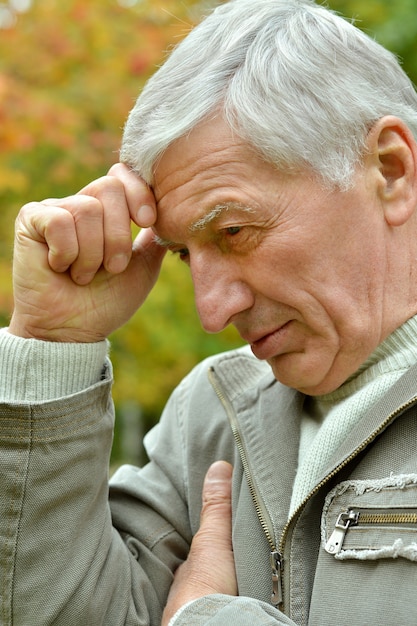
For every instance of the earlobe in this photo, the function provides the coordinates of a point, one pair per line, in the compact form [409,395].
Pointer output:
[393,150]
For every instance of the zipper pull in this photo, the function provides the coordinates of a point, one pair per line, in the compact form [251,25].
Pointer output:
[276,566]
[345,519]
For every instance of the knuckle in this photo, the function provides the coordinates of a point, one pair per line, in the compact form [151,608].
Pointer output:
[118,169]
[87,207]
[29,207]
[105,184]
[131,180]
[27,211]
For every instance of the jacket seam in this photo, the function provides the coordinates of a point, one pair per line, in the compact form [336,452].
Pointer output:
[19,517]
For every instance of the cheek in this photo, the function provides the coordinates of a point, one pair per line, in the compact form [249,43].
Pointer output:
[317,278]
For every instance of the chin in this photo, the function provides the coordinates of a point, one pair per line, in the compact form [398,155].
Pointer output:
[311,383]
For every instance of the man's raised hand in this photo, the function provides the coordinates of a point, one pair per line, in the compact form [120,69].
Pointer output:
[76,275]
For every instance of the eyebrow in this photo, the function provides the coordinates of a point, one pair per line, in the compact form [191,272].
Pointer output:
[204,221]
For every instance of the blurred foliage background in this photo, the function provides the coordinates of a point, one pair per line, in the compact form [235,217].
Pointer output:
[69,73]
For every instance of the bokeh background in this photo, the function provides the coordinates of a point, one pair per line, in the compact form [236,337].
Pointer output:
[70,72]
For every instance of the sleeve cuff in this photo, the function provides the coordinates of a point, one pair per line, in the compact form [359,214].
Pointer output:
[37,371]
[175,617]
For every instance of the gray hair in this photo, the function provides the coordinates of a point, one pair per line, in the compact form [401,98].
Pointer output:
[296,81]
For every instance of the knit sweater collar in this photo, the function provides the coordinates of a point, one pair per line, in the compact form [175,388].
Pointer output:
[397,353]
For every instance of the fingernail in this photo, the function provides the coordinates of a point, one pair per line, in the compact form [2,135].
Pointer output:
[117,263]
[83,279]
[219,471]
[145,215]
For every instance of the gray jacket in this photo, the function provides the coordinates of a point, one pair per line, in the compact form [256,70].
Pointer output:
[348,555]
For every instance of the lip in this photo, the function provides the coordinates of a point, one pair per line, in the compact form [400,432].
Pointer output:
[271,344]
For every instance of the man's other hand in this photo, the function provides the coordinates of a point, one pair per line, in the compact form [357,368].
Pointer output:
[210,567]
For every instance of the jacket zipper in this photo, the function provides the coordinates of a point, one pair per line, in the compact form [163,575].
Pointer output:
[263,515]
[277,549]
[367,517]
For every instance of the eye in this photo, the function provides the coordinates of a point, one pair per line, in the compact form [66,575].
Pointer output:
[182,253]
[233,230]
[239,239]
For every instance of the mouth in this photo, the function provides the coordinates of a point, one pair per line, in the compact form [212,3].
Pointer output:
[272,344]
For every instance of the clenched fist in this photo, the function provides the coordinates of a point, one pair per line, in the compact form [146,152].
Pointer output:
[77,277]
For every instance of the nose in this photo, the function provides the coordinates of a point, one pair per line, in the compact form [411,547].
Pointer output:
[221,292]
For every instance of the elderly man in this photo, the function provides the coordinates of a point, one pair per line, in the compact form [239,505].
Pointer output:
[278,147]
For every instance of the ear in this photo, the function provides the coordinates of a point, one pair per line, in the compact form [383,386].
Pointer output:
[392,154]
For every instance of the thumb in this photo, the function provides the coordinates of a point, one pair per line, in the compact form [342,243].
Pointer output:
[147,258]
[210,566]
[145,245]
[217,490]
[210,562]
[216,515]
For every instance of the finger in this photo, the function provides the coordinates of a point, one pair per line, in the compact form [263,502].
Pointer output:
[212,545]
[217,483]
[213,540]
[150,252]
[121,193]
[145,264]
[217,500]
[86,215]
[139,196]
[210,566]
[110,193]
[216,521]
[54,227]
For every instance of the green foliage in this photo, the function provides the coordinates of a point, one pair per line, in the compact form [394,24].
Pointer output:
[69,73]
[393,24]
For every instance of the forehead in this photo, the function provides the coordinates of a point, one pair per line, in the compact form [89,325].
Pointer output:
[210,149]
[208,169]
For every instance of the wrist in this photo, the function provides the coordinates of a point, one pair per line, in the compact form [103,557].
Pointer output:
[25,329]
[33,370]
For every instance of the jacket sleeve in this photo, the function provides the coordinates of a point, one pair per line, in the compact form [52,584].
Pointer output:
[64,561]
[218,610]
[73,550]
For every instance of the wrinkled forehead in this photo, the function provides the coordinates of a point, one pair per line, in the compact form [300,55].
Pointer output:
[211,172]
[205,144]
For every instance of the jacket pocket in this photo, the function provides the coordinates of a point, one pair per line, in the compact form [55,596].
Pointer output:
[369,520]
